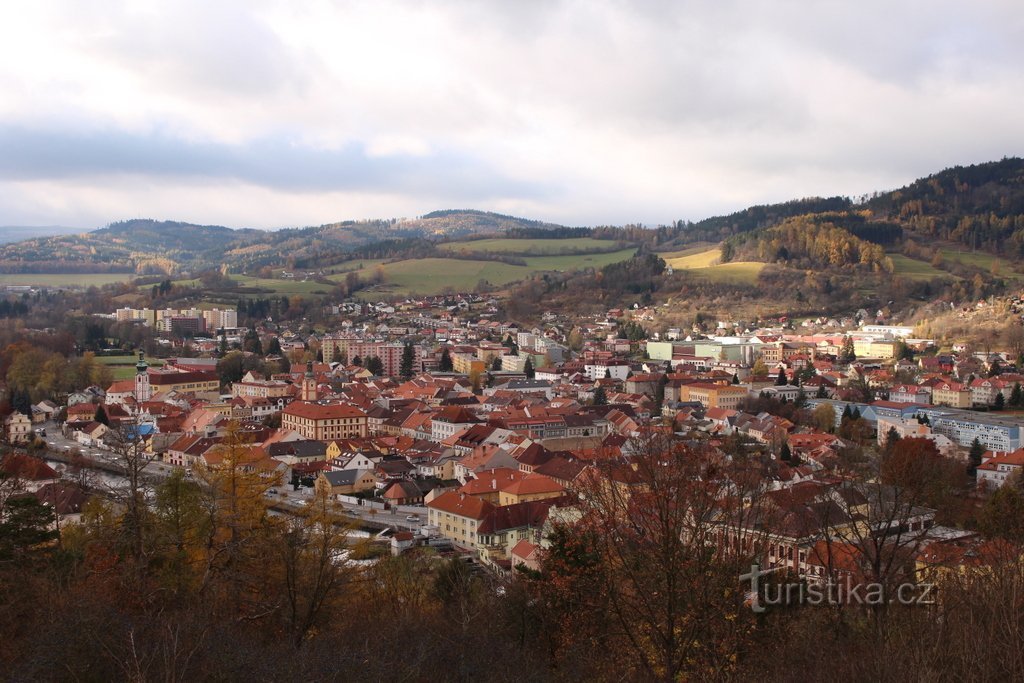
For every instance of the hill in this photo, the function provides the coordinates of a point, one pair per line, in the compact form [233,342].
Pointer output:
[144,246]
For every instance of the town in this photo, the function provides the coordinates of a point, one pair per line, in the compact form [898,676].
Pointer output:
[435,423]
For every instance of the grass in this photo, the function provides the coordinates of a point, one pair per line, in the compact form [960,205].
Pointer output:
[703,263]
[337,272]
[283,287]
[64,279]
[434,275]
[912,269]
[980,259]
[530,246]
[123,367]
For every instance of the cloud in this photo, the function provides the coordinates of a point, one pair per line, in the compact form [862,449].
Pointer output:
[269,162]
[583,111]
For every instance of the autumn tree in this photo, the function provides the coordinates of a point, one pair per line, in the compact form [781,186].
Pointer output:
[310,550]
[667,583]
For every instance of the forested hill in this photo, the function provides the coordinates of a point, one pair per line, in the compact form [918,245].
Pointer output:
[806,243]
[980,206]
[150,246]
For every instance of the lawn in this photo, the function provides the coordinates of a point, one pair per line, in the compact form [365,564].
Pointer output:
[64,279]
[912,269]
[578,261]
[530,246]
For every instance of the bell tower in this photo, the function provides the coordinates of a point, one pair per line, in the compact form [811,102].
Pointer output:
[143,392]
[309,392]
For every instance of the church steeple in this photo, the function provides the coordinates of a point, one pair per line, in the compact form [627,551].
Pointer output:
[309,392]
[143,392]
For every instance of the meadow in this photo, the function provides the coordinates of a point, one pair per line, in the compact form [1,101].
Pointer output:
[703,262]
[68,280]
[530,246]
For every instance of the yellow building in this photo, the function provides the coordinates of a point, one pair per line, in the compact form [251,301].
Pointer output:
[530,488]
[874,348]
[952,394]
[467,363]
[713,395]
[458,516]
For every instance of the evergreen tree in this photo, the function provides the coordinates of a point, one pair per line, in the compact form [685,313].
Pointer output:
[375,366]
[801,398]
[274,348]
[891,437]
[735,378]
[223,348]
[974,456]
[821,393]
[999,402]
[781,380]
[528,368]
[445,364]
[1016,396]
[600,397]
[847,354]
[356,360]
[405,368]
[101,415]
[785,454]
[496,364]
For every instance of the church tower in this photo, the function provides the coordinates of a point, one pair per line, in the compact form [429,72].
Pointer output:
[143,392]
[309,384]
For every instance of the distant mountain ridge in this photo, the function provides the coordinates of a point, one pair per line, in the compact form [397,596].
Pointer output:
[147,246]
[979,206]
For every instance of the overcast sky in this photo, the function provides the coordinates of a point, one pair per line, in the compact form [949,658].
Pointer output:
[273,114]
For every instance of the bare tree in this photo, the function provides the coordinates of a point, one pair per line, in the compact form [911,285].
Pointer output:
[129,454]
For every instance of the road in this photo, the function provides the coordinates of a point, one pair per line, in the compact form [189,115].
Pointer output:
[284,493]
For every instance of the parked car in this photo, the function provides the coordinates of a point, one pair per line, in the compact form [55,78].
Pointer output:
[413,518]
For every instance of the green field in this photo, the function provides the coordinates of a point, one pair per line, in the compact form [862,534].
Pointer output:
[578,261]
[912,269]
[530,246]
[434,275]
[123,367]
[980,259]
[703,262]
[64,279]
[337,271]
[283,287]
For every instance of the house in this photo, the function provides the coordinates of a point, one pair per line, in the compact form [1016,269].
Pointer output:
[403,493]
[530,488]
[66,501]
[952,394]
[18,428]
[28,473]
[43,411]
[458,516]
[996,468]
[348,482]
[526,554]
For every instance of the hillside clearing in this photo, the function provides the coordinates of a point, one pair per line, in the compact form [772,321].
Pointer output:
[566,245]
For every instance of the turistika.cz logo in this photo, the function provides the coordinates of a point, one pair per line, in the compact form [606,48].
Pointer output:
[762,595]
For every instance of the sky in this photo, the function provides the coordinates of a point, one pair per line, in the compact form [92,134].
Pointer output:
[267,114]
